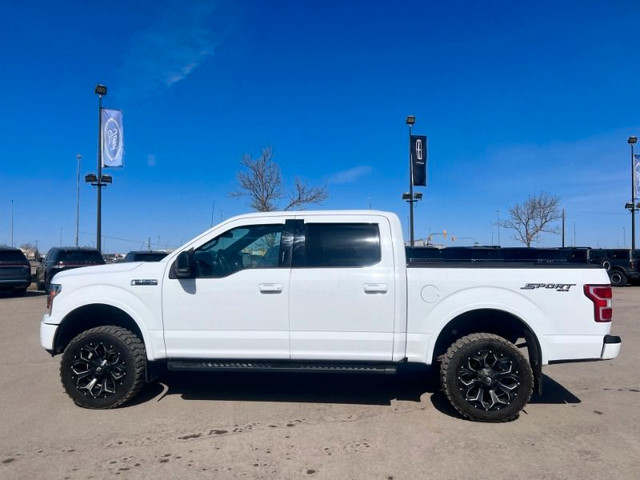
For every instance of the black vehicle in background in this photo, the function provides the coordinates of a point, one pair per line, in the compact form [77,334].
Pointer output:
[144,256]
[533,255]
[15,271]
[65,258]
[622,265]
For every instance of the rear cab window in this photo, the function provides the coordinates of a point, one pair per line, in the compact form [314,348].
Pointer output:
[337,245]
[12,257]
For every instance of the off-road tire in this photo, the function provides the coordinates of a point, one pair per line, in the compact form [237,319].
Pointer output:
[486,378]
[103,367]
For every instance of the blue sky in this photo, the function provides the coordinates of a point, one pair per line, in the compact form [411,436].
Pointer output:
[516,98]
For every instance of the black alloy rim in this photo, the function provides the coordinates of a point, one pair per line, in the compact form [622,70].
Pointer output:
[98,369]
[488,380]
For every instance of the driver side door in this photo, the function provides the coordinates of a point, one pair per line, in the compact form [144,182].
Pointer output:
[236,304]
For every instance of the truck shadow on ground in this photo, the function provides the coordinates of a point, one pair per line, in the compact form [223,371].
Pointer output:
[412,383]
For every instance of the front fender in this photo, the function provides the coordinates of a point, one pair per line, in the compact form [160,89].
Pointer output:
[148,319]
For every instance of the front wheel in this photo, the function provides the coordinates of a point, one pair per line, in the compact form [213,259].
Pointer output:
[486,378]
[103,367]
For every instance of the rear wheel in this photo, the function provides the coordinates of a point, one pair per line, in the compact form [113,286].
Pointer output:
[486,378]
[103,367]
[618,278]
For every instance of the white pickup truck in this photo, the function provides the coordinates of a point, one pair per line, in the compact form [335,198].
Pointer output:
[325,291]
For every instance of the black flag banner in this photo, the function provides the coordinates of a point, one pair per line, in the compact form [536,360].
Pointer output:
[419,159]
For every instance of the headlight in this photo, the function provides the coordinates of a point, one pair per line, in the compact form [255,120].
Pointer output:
[54,289]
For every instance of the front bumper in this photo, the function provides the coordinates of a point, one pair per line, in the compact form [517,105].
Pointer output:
[48,333]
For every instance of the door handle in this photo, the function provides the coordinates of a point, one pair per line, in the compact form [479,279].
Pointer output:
[270,288]
[376,288]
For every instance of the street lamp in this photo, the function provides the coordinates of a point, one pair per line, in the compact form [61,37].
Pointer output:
[632,140]
[99,180]
[411,120]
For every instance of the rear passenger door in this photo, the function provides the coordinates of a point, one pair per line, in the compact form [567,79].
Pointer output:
[342,289]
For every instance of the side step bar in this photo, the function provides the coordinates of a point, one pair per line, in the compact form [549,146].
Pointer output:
[279,366]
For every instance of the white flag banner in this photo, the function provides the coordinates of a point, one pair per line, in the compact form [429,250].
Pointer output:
[112,138]
[636,173]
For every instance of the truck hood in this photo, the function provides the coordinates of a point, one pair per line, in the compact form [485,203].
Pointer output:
[99,272]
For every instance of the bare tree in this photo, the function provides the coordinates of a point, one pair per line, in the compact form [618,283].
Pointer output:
[261,181]
[533,217]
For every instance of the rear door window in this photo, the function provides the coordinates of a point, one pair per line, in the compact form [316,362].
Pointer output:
[338,245]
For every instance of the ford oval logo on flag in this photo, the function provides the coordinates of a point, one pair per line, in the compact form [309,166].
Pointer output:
[112,138]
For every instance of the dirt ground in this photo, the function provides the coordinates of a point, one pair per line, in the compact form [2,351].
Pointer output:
[586,425]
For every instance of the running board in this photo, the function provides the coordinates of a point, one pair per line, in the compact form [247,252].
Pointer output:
[279,366]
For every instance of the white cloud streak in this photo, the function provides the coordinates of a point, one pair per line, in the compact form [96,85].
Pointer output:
[350,176]
[176,42]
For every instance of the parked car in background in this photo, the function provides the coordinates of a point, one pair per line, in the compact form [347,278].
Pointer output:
[144,256]
[621,264]
[533,255]
[15,271]
[65,258]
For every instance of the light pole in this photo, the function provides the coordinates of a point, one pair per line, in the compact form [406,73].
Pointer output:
[99,180]
[78,158]
[411,120]
[12,223]
[632,141]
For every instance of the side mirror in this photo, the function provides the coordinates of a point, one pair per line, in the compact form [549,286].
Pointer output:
[184,265]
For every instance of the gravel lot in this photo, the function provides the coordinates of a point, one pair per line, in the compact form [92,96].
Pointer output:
[586,425]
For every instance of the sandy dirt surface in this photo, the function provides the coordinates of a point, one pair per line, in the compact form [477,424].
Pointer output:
[586,425]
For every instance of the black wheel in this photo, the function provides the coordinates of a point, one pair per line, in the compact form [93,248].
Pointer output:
[606,264]
[618,278]
[103,367]
[486,378]
[19,292]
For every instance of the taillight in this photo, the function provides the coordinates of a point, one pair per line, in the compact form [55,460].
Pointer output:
[601,296]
